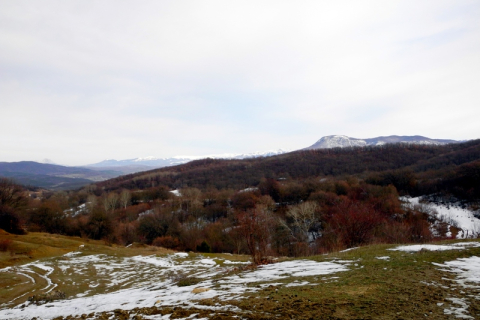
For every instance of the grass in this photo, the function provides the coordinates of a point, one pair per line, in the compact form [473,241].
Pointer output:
[405,286]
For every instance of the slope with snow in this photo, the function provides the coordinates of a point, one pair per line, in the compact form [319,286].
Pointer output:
[453,215]
[145,281]
[340,141]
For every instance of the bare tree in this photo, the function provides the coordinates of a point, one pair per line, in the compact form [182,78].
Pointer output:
[91,202]
[304,219]
[11,194]
[125,198]
[255,225]
[110,201]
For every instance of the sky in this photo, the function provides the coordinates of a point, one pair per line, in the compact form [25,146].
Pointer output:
[83,81]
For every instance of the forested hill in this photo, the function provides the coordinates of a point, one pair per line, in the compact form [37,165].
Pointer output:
[394,164]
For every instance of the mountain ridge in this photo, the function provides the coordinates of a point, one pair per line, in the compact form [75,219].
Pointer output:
[342,141]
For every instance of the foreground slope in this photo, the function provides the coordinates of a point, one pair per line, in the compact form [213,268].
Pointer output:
[375,282]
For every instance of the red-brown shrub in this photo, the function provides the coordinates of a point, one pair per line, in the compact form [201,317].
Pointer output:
[355,222]
[167,242]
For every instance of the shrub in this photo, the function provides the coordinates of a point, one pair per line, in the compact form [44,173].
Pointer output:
[204,247]
[9,220]
[47,297]
[166,242]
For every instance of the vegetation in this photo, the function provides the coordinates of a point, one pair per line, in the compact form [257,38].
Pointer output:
[297,204]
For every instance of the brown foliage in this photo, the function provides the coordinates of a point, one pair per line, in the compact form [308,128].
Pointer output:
[355,222]
[255,225]
[167,242]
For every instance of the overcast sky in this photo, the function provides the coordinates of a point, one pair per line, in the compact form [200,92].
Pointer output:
[83,81]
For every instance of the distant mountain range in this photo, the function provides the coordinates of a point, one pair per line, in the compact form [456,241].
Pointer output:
[338,141]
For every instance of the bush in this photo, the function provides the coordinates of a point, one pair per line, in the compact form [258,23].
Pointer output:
[166,242]
[47,297]
[9,220]
[186,281]
[204,247]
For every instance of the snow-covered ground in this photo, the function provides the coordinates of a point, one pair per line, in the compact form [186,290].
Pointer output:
[453,215]
[143,281]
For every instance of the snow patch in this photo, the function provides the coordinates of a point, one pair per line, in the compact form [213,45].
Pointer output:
[435,247]
[455,216]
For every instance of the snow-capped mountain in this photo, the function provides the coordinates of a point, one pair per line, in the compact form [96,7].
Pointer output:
[338,141]
[147,163]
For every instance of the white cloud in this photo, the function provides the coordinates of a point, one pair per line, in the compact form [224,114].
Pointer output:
[125,79]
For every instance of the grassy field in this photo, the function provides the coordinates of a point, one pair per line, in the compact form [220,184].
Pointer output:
[370,282]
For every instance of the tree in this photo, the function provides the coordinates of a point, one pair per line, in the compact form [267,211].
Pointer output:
[125,198]
[304,221]
[99,225]
[12,199]
[355,222]
[9,220]
[49,217]
[12,194]
[256,227]
[110,201]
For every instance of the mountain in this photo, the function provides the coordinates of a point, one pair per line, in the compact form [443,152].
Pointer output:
[51,176]
[148,163]
[338,141]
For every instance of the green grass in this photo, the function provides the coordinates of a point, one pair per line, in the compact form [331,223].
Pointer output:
[406,286]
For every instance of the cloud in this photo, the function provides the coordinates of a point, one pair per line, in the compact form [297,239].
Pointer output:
[81,81]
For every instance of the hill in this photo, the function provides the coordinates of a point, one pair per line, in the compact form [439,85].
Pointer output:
[413,169]
[51,176]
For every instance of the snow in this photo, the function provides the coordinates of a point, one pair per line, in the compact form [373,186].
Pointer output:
[436,247]
[144,281]
[453,215]
[383,258]
[467,271]
[458,312]
[207,261]
[176,192]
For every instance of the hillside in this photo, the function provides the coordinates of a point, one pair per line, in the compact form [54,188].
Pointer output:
[68,277]
[51,176]
[413,169]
